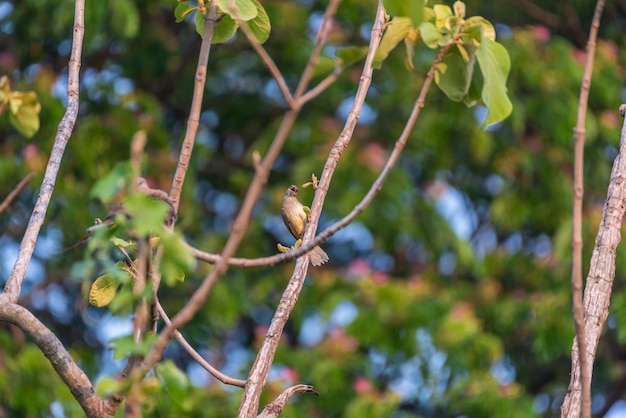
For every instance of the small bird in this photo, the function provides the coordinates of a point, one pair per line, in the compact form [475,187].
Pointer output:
[295,216]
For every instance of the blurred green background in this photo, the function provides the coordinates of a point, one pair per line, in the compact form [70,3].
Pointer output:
[449,296]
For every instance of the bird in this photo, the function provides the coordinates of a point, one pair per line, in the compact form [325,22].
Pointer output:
[295,216]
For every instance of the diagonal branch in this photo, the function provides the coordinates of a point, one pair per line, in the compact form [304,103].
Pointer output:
[16,190]
[14,283]
[197,357]
[63,364]
[258,374]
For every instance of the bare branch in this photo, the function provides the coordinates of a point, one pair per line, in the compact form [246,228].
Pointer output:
[196,106]
[577,240]
[274,408]
[63,364]
[260,369]
[601,275]
[16,190]
[197,357]
[14,283]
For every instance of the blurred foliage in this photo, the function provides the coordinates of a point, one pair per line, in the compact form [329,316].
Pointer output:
[448,296]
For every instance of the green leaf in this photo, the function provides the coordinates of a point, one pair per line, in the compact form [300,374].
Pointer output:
[454,75]
[103,290]
[126,346]
[224,30]
[430,34]
[146,213]
[351,54]
[176,260]
[238,9]
[175,380]
[479,28]
[395,32]
[125,18]
[260,26]
[182,11]
[25,120]
[199,21]
[413,9]
[111,184]
[323,66]
[495,64]
[108,386]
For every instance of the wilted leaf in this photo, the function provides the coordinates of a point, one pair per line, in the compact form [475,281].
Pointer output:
[103,290]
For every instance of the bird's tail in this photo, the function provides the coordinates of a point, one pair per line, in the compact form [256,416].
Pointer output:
[318,256]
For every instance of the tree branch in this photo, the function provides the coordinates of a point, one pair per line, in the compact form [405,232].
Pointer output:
[274,408]
[60,359]
[258,374]
[197,357]
[64,132]
[601,275]
[16,190]
[196,106]
[577,240]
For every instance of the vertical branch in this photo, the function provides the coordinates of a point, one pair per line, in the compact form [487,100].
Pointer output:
[585,362]
[196,106]
[260,369]
[64,132]
[601,276]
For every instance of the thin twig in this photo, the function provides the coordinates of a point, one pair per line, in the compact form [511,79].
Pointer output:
[260,369]
[196,106]
[197,357]
[577,240]
[14,283]
[320,87]
[16,190]
[274,408]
